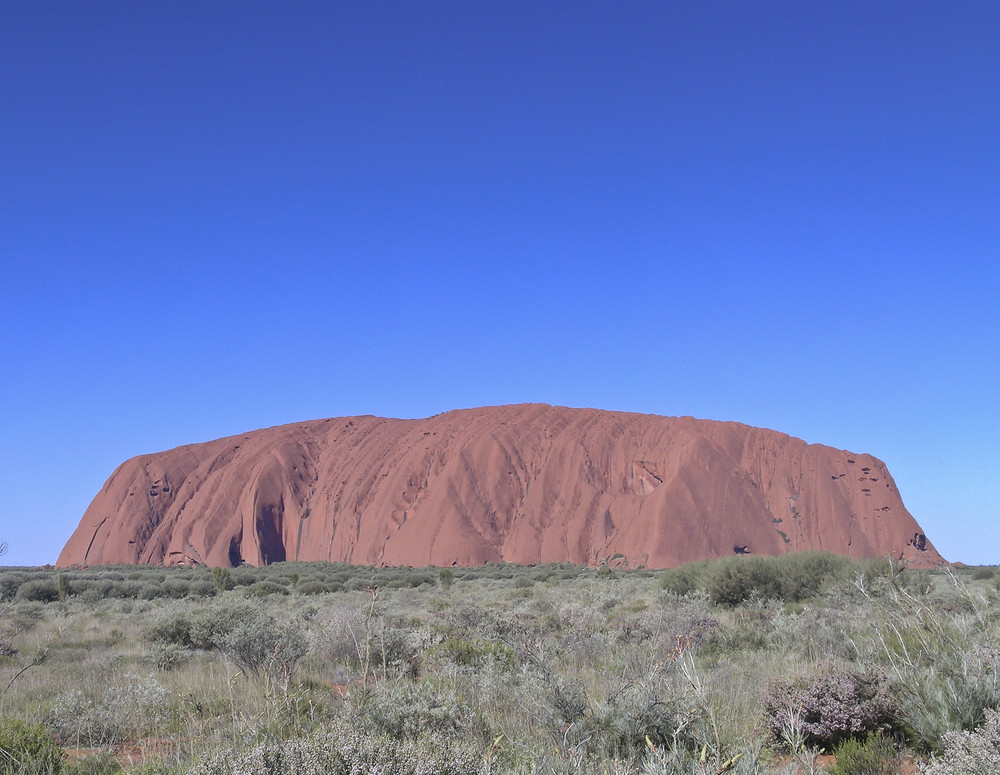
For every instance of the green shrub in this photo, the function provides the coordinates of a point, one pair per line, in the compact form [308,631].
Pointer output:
[39,590]
[166,656]
[940,651]
[473,654]
[213,622]
[311,588]
[876,755]
[684,579]
[27,749]
[108,575]
[254,640]
[62,586]
[751,630]
[264,589]
[91,590]
[200,627]
[803,575]
[10,582]
[243,577]
[175,588]
[737,579]
[340,638]
[171,629]
[221,579]
[791,577]
[418,579]
[27,614]
[411,711]
[125,590]
[568,699]
[202,588]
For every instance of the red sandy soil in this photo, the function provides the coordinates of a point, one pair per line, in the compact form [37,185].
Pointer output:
[130,753]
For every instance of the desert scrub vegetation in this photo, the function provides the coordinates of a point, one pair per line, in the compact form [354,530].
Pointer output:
[27,748]
[741,665]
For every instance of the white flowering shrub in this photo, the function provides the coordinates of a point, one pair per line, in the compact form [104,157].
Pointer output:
[970,753]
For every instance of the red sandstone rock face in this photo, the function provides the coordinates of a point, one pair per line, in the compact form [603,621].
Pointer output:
[525,484]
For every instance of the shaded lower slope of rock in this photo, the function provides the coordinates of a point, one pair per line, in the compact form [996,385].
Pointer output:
[525,484]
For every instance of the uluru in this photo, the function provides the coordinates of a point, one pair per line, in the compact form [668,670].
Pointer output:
[527,484]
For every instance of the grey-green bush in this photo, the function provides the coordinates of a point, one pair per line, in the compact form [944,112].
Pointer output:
[347,752]
[264,648]
[39,590]
[411,711]
[132,705]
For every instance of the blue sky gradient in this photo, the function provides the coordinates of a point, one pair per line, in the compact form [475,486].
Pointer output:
[220,216]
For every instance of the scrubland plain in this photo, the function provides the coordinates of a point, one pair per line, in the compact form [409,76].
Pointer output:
[800,664]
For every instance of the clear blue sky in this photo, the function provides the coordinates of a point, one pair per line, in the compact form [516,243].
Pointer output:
[216,217]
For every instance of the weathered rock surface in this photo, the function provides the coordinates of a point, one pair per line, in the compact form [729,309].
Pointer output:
[526,484]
